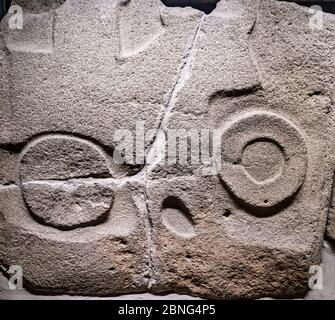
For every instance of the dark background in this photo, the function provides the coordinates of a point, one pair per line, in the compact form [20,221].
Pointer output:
[205,5]
[209,5]
[4,5]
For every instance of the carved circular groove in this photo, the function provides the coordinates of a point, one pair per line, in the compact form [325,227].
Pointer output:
[59,181]
[284,158]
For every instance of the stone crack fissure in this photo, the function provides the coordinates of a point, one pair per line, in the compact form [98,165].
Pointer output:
[8,185]
[157,149]
[83,178]
[184,75]
[151,247]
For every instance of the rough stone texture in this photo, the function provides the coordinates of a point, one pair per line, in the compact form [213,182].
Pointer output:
[81,224]
[68,205]
[326,293]
[259,87]
[39,5]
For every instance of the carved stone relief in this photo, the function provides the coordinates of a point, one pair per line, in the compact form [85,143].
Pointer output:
[84,77]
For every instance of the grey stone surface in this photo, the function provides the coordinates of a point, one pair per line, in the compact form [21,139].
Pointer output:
[23,294]
[80,77]
[326,292]
[258,87]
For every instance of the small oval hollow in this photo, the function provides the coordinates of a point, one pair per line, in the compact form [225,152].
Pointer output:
[177,218]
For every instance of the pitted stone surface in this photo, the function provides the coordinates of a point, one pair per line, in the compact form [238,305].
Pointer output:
[260,86]
[67,204]
[38,5]
[104,259]
[62,157]
[246,223]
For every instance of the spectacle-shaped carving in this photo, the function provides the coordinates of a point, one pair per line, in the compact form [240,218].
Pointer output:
[60,182]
